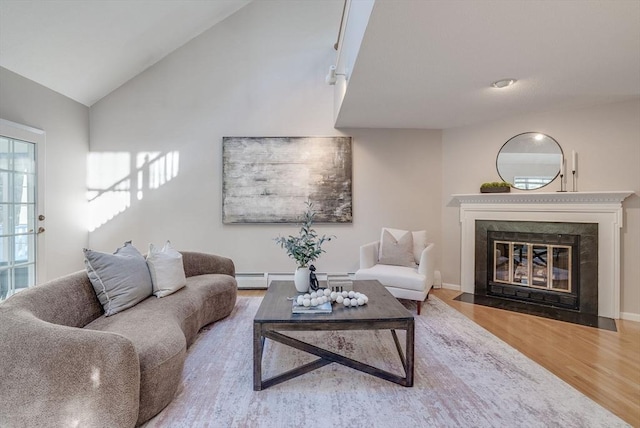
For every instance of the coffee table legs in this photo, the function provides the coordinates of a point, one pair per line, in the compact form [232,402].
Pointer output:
[258,346]
[327,357]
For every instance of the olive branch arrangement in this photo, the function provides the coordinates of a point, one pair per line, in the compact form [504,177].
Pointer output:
[306,247]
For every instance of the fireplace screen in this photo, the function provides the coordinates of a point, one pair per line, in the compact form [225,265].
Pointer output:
[532,265]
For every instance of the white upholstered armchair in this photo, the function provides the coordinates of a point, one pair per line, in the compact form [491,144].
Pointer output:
[402,261]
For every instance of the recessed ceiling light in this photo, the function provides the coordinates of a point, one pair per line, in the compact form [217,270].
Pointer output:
[503,83]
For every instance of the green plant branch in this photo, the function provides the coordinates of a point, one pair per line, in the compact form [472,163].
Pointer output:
[495,184]
[307,246]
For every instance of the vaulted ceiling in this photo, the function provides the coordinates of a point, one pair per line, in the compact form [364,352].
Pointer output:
[422,64]
[85,49]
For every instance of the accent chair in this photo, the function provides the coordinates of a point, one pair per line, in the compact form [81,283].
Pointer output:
[402,261]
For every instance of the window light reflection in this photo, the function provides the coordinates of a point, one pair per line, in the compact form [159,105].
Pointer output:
[114,177]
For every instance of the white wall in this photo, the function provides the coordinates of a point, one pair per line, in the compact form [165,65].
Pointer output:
[259,73]
[607,139]
[66,123]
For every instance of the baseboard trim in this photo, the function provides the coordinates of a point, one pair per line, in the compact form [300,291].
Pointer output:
[449,286]
[630,316]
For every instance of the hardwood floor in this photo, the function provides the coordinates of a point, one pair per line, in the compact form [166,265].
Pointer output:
[603,365]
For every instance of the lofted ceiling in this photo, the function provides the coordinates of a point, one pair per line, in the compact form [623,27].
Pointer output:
[422,64]
[85,49]
[429,64]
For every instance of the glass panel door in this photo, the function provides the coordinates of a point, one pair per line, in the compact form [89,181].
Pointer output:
[18,181]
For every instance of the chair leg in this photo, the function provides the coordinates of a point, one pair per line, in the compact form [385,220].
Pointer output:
[418,305]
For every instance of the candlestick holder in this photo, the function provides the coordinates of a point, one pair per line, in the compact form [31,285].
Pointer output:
[562,184]
[575,181]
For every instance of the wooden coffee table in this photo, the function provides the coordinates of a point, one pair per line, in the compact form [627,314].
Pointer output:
[383,312]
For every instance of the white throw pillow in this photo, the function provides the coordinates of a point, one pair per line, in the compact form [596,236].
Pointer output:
[419,240]
[167,270]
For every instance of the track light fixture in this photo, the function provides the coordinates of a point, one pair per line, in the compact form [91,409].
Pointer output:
[332,76]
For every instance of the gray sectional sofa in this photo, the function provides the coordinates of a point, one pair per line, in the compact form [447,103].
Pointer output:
[63,363]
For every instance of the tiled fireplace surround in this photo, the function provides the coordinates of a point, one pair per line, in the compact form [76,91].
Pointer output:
[601,208]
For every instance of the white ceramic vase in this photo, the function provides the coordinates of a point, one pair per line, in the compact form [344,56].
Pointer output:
[301,279]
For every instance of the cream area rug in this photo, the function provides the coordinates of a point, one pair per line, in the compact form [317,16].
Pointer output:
[464,377]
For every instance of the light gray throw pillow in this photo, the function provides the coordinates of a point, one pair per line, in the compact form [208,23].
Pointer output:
[398,252]
[121,279]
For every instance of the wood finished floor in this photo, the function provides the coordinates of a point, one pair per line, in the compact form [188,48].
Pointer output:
[603,365]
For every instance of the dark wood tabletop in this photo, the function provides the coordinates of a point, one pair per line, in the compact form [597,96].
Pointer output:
[381,306]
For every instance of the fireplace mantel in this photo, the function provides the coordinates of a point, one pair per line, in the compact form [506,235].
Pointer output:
[604,197]
[603,208]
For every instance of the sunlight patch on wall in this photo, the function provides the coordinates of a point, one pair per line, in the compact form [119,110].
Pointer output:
[108,184]
[158,169]
[114,177]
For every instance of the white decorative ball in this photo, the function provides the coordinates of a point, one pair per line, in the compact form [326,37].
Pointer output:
[314,302]
[339,299]
[352,294]
[327,292]
[307,296]
[345,294]
[300,300]
[333,296]
[360,301]
[347,301]
[313,295]
[306,302]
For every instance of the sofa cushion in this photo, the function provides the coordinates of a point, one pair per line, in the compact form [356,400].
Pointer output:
[121,279]
[166,269]
[161,349]
[205,299]
[396,250]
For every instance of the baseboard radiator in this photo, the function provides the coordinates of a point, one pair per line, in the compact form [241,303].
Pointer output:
[261,280]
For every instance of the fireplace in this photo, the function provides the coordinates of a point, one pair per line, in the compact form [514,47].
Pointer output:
[598,274]
[543,263]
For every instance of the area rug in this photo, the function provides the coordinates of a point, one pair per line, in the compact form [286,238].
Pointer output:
[464,377]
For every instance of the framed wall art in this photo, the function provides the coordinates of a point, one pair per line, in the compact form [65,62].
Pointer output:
[269,179]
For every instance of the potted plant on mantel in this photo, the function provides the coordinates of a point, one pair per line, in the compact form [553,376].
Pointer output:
[495,187]
[304,248]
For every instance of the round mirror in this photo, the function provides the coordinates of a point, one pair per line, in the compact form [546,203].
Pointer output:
[529,161]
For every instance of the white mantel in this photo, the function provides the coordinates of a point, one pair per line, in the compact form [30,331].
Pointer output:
[603,208]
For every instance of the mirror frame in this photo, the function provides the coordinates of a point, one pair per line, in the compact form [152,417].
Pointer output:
[526,133]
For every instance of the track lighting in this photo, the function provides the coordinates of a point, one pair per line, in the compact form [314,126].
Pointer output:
[332,76]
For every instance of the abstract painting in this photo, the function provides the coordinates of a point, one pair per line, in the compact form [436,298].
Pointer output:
[269,179]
